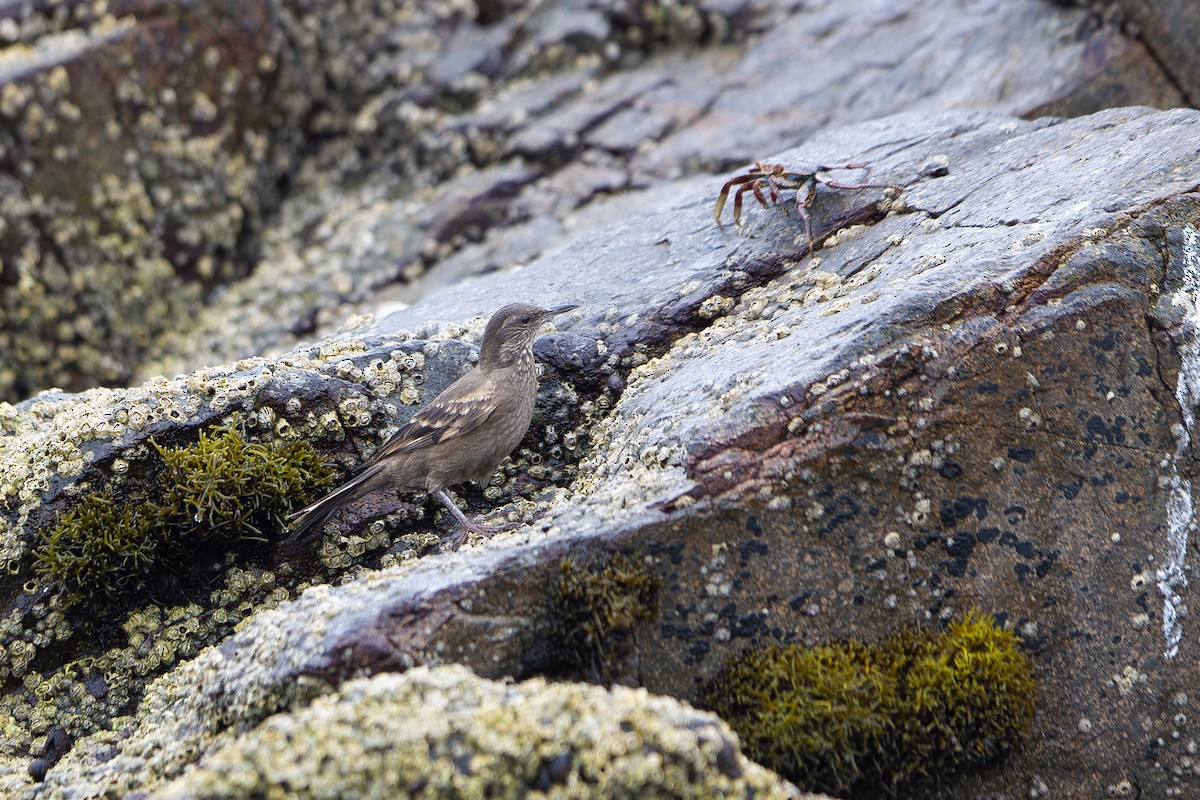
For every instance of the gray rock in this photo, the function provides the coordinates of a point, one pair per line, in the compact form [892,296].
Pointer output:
[966,399]
[599,131]
[1169,31]
[977,392]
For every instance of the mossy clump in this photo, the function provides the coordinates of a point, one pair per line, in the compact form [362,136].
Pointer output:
[99,546]
[220,488]
[969,697]
[819,716]
[224,484]
[864,721]
[595,609]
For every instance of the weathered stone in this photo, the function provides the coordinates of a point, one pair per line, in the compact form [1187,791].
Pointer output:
[94,653]
[979,392]
[140,150]
[599,129]
[191,233]
[967,398]
[1169,30]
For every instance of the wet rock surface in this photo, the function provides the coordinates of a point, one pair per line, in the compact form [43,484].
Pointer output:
[351,152]
[92,628]
[969,401]
[977,392]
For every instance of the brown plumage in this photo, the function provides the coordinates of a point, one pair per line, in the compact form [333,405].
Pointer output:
[462,435]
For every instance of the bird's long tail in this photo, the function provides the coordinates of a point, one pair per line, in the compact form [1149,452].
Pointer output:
[306,523]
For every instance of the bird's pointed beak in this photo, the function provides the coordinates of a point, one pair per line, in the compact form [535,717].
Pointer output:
[550,312]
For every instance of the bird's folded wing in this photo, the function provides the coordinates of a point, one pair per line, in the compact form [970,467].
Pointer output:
[445,418]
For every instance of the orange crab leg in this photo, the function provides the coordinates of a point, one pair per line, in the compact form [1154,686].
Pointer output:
[737,203]
[724,195]
[856,165]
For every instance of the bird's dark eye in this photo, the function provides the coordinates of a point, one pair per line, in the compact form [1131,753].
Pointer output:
[525,320]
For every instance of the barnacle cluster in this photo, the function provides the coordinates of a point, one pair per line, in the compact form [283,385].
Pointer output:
[119,555]
[864,721]
[596,608]
[123,205]
[341,552]
[376,737]
[90,688]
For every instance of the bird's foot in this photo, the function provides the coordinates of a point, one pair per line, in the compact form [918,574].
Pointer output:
[466,525]
[465,529]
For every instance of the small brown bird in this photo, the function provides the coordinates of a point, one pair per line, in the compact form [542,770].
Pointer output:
[463,435]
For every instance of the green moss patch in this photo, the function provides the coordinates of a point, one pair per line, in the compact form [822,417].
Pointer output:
[101,545]
[220,488]
[864,721]
[126,580]
[224,485]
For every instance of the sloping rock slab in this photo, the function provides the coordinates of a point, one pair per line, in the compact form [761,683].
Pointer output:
[970,403]
[979,396]
[496,149]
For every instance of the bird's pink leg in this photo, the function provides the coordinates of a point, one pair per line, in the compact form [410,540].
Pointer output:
[466,524]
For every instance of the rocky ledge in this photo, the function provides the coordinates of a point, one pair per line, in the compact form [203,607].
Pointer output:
[969,397]
[973,395]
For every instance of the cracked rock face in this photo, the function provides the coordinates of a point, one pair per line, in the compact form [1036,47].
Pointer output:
[978,391]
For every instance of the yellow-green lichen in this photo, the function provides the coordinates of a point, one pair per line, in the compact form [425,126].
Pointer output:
[817,715]
[969,697]
[595,609]
[865,721]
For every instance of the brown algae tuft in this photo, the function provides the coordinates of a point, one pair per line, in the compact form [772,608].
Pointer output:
[596,609]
